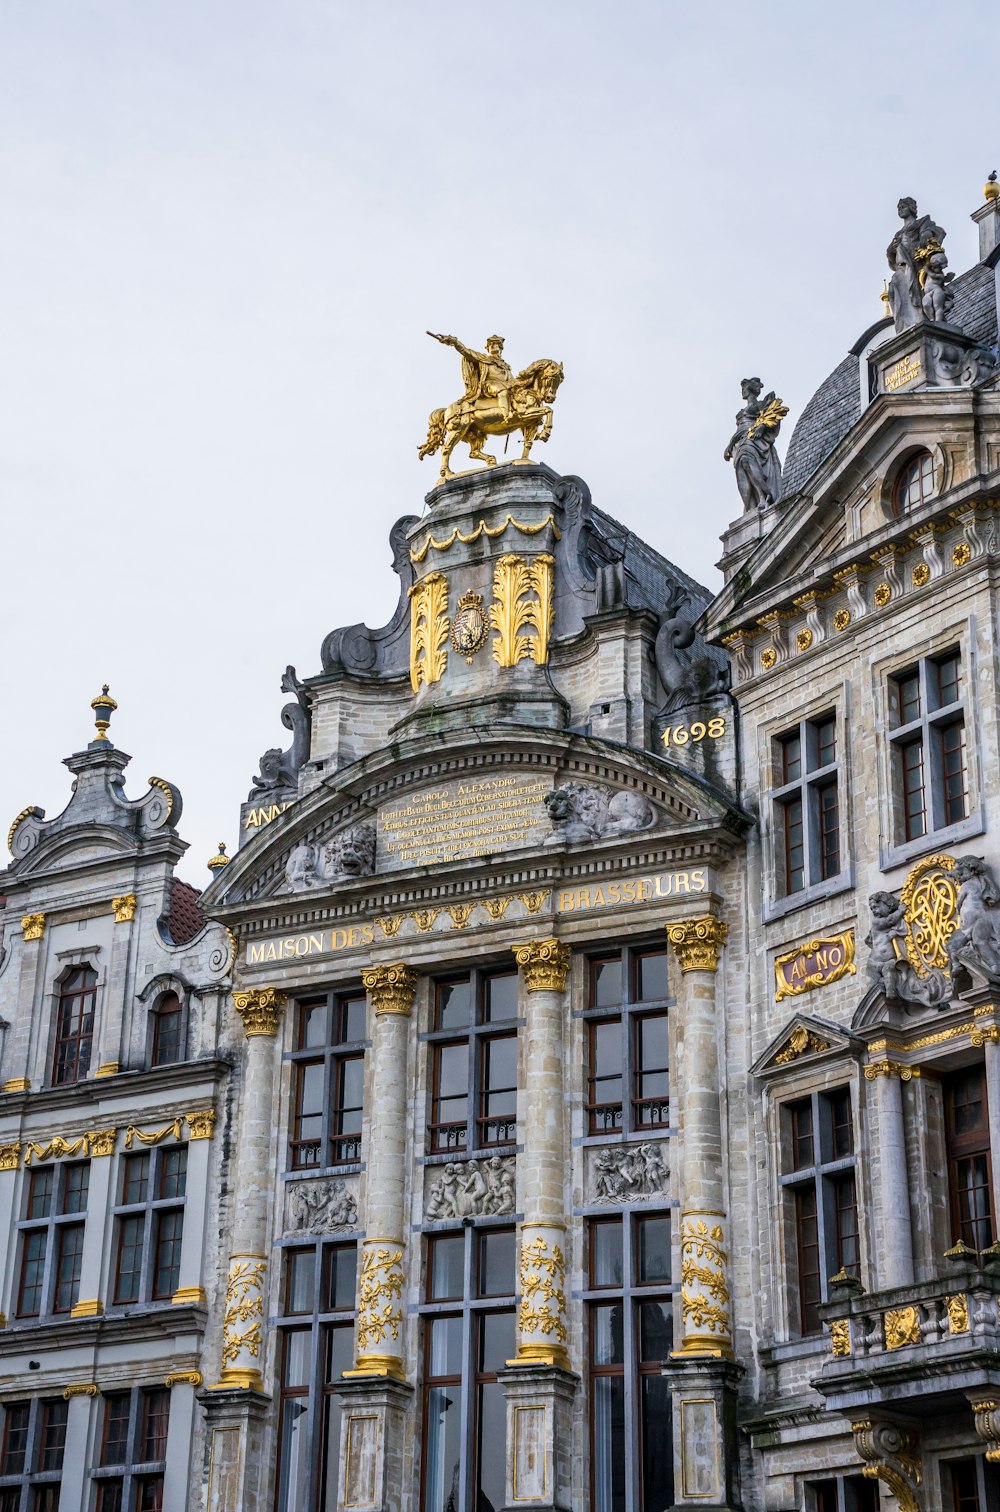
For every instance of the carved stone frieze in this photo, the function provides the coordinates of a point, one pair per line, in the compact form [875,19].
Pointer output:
[627,1173]
[320,1206]
[470,1189]
[580,811]
[346,856]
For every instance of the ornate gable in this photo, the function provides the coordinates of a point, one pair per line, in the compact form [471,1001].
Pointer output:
[803,1038]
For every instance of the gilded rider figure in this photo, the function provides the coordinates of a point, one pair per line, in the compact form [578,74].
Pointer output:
[484,373]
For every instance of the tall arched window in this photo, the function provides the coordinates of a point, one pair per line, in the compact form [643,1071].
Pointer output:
[914,484]
[168,1031]
[74,1026]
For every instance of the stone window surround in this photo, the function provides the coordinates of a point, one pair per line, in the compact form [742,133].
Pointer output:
[776,905]
[469,1305]
[631,1293]
[804,789]
[133,1469]
[960,635]
[842,1072]
[149,1209]
[69,961]
[150,995]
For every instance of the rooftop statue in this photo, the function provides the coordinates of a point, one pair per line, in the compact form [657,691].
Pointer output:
[495,403]
[918,287]
[751,447]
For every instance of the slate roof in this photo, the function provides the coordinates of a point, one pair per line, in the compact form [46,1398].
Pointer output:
[836,404]
[185,918]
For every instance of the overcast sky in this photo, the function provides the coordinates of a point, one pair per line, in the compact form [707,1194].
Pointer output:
[228,224]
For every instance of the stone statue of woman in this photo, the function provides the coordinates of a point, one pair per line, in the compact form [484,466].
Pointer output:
[751,447]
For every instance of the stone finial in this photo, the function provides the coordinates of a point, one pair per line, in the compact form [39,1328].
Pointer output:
[697,942]
[103,706]
[391,988]
[544,964]
[124,908]
[33,926]
[260,1009]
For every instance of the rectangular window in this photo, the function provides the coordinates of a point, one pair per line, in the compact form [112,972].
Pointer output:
[74,1025]
[806,805]
[818,1178]
[149,1225]
[31,1454]
[928,746]
[849,1493]
[630,1335]
[967,1136]
[51,1240]
[628,1074]
[316,1333]
[469,1334]
[962,1480]
[473,1052]
[132,1450]
[328,1081]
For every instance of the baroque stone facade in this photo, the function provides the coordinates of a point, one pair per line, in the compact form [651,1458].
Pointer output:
[593,1049]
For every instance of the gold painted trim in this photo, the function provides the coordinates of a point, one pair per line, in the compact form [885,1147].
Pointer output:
[33,926]
[124,908]
[17,1084]
[553,1355]
[698,942]
[431,543]
[184,1378]
[931,912]
[109,1068]
[541,1407]
[90,1309]
[377,1365]
[785,988]
[244,1380]
[88,1389]
[429,630]
[165,789]
[189,1296]
[201,1125]
[10,1156]
[32,811]
[699,1402]
[544,965]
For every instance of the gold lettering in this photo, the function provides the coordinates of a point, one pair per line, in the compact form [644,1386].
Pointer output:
[628,891]
[567,902]
[645,890]
[584,896]
[255,954]
[661,891]
[682,882]
[599,899]
[615,892]
[698,882]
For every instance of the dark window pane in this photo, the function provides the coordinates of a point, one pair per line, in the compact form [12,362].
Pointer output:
[313,1022]
[498,1097]
[651,1100]
[656,1331]
[114,1447]
[339,1353]
[964,1485]
[608,1467]
[41,1187]
[911,765]
[169,1227]
[353,1017]
[150,1494]
[607,1325]
[908,697]
[293,1453]
[497,1341]
[491,1455]
[497,1263]
[32,1273]
[130,1247]
[156,1412]
[446,1271]
[74,1026]
[809,1271]
[295,1368]
[445,1350]
[52,1440]
[606,1262]
[824,742]
[135,1179]
[454,1004]
[604,1084]
[15,1437]
[653,1249]
[501,997]
[657,1444]
[76,1181]
[606,983]
[300,1280]
[443,1454]
[828,806]
[167,1022]
[69,1264]
[651,976]
[791,758]
[109,1495]
[803,1146]
[954,777]
[846,1216]
[794,845]
[841,1125]
[173,1172]
[341,1278]
[948,678]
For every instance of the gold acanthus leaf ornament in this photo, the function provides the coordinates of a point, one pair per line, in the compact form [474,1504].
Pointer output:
[429,626]
[522,602]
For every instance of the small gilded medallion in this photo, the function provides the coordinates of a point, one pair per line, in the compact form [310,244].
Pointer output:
[469,628]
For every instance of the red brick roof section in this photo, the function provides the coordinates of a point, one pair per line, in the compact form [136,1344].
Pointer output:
[185,918]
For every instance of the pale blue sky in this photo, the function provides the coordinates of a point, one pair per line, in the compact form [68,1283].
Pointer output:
[228,224]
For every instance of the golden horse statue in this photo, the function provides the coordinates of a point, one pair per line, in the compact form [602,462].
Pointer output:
[496,403]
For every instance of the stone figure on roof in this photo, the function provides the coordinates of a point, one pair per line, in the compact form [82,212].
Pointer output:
[918,240]
[751,446]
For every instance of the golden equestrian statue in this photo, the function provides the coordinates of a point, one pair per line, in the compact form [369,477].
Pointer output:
[495,403]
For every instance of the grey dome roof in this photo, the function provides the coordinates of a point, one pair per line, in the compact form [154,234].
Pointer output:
[836,404]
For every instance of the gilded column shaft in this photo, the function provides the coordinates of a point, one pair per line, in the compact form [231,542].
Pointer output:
[706,1315]
[542,1329]
[379,1340]
[246,1286]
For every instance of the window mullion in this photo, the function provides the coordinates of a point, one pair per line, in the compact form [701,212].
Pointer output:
[477,1053]
[466,1492]
[628,1068]
[630,1367]
[331,1067]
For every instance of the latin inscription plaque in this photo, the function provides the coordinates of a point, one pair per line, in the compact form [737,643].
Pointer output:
[462,819]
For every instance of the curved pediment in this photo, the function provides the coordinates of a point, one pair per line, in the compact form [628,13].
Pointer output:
[423,805]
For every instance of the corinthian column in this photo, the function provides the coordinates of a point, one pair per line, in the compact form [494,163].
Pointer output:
[379,1343]
[246,1288]
[704,1237]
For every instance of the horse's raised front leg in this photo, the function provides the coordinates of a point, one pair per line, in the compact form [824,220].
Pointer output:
[546,427]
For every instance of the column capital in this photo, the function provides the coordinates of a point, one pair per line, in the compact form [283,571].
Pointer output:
[33,926]
[697,942]
[391,988]
[544,964]
[260,1008]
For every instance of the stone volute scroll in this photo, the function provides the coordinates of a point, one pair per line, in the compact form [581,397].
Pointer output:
[751,447]
[279,770]
[496,402]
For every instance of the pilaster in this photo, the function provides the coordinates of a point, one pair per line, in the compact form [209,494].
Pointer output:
[891,1208]
[238,1468]
[75,1452]
[99,1203]
[108,1047]
[372,1442]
